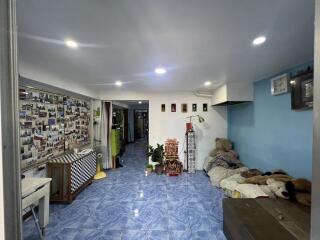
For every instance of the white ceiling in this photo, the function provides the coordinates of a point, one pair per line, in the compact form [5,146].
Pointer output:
[196,40]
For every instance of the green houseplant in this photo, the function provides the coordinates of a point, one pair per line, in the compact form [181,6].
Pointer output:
[157,155]
[149,168]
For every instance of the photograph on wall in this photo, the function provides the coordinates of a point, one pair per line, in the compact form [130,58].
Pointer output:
[279,84]
[51,108]
[173,107]
[194,107]
[30,117]
[26,133]
[22,115]
[27,107]
[184,107]
[205,107]
[22,94]
[35,96]
[27,125]
[41,106]
[42,114]
[302,90]
[163,107]
[51,121]
[52,115]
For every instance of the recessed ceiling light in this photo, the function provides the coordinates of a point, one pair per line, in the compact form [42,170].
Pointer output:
[140,102]
[71,44]
[118,83]
[160,70]
[207,83]
[259,40]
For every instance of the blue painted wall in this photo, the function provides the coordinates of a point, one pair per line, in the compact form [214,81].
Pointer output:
[269,135]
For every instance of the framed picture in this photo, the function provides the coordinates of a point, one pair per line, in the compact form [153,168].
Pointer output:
[184,107]
[194,107]
[279,84]
[302,90]
[163,107]
[205,107]
[173,107]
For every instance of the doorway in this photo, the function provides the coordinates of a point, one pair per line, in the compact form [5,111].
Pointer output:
[141,123]
[131,119]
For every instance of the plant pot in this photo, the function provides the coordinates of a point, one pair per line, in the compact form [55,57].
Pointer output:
[149,170]
[159,169]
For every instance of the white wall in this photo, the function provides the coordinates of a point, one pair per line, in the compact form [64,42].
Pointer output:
[169,124]
[172,124]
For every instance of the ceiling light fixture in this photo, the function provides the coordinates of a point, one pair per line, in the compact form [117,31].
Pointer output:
[207,83]
[259,40]
[118,83]
[140,102]
[71,44]
[160,70]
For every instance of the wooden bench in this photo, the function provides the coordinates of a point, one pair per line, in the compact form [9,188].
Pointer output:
[265,219]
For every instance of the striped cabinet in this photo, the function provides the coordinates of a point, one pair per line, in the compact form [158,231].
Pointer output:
[70,174]
[191,151]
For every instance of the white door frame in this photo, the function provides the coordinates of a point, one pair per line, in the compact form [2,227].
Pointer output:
[9,122]
[315,209]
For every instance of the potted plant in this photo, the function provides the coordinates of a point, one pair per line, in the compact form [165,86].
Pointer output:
[149,168]
[156,155]
[159,168]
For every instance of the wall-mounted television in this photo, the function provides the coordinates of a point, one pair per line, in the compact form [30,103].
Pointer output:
[302,90]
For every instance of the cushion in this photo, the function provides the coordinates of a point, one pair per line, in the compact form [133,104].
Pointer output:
[208,163]
[231,182]
[250,191]
[217,174]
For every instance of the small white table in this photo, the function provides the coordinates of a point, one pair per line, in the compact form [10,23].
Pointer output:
[34,190]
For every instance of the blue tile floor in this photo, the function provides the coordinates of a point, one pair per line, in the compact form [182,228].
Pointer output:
[131,205]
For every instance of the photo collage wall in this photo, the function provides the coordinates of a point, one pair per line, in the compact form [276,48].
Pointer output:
[51,124]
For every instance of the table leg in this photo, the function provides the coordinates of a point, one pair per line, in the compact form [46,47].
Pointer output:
[44,210]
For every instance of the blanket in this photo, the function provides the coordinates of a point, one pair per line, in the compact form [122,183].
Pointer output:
[217,174]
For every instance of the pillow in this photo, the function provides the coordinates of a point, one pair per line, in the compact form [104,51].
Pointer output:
[231,182]
[208,162]
[217,174]
[250,191]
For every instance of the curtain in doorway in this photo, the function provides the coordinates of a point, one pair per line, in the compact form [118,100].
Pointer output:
[106,122]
